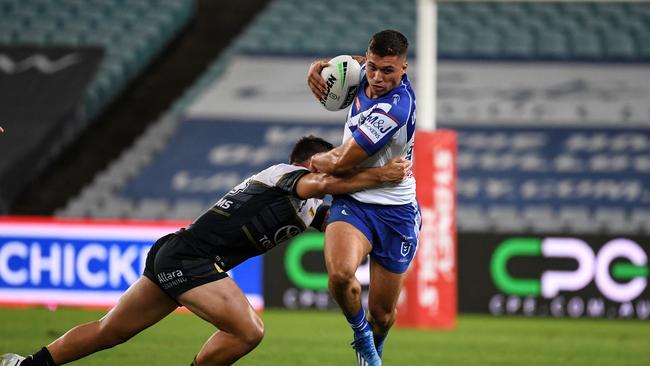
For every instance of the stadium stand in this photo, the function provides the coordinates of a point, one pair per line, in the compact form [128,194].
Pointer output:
[467,30]
[132,32]
[484,30]
[128,35]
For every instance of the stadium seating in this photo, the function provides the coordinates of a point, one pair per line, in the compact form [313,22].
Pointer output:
[131,32]
[539,30]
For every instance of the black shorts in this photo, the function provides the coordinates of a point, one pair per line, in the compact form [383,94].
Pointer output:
[176,266]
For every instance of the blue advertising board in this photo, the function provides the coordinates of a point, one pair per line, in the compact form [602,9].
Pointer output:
[86,263]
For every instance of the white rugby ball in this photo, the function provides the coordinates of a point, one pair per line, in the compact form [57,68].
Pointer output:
[342,77]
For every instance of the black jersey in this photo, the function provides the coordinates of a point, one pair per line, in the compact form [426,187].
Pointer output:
[255,216]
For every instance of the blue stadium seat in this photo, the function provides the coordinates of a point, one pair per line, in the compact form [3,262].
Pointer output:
[577,10]
[7,30]
[566,25]
[31,36]
[542,10]
[643,46]
[517,44]
[552,45]
[47,24]
[485,44]
[65,38]
[6,37]
[619,45]
[513,11]
[452,43]
[586,46]
[613,10]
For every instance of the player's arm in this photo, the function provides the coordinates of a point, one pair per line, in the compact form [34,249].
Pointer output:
[315,81]
[339,161]
[320,184]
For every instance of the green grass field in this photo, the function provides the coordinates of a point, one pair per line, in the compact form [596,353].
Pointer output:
[322,338]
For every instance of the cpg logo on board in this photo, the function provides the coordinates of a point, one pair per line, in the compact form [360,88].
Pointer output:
[619,270]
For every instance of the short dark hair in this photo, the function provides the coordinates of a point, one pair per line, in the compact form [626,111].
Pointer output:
[388,42]
[306,147]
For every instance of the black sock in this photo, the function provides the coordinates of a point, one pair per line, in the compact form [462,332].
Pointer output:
[192,364]
[40,358]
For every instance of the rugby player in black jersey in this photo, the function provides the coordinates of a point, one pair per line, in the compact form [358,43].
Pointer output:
[189,267]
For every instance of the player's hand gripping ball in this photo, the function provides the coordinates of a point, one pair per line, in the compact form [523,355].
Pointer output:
[342,77]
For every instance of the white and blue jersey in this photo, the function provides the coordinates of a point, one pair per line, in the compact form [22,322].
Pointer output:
[389,215]
[385,128]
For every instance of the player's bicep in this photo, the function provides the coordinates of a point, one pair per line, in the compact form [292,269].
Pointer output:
[310,185]
[376,131]
[351,155]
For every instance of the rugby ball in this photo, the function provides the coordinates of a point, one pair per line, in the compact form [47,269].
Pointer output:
[342,76]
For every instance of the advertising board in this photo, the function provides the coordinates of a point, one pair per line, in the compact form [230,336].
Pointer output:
[586,276]
[86,263]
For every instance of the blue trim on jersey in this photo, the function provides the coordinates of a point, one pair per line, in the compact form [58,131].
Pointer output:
[364,141]
[410,125]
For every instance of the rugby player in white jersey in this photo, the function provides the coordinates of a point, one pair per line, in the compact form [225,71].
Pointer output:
[384,221]
[189,267]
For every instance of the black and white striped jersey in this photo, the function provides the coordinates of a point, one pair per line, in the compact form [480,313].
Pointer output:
[255,216]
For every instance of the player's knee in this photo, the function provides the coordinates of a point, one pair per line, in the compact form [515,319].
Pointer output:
[111,336]
[381,319]
[254,333]
[341,278]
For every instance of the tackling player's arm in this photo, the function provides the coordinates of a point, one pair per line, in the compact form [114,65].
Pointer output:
[315,81]
[319,184]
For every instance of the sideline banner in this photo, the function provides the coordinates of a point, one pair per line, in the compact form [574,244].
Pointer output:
[428,298]
[86,263]
[560,276]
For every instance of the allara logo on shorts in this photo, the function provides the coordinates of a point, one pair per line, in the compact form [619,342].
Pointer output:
[168,276]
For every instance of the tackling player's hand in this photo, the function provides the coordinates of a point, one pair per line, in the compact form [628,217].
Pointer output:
[312,168]
[396,170]
[315,81]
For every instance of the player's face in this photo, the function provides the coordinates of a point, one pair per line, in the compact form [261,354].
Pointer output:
[383,73]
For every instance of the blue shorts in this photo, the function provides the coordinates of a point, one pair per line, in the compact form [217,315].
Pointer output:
[392,230]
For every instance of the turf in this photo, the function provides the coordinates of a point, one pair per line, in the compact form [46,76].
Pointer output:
[322,338]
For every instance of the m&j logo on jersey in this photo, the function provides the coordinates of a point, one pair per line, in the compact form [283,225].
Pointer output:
[376,126]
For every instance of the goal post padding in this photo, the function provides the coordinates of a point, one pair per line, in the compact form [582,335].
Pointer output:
[429,294]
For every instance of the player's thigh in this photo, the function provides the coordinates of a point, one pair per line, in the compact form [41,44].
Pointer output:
[141,306]
[384,290]
[223,304]
[345,246]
